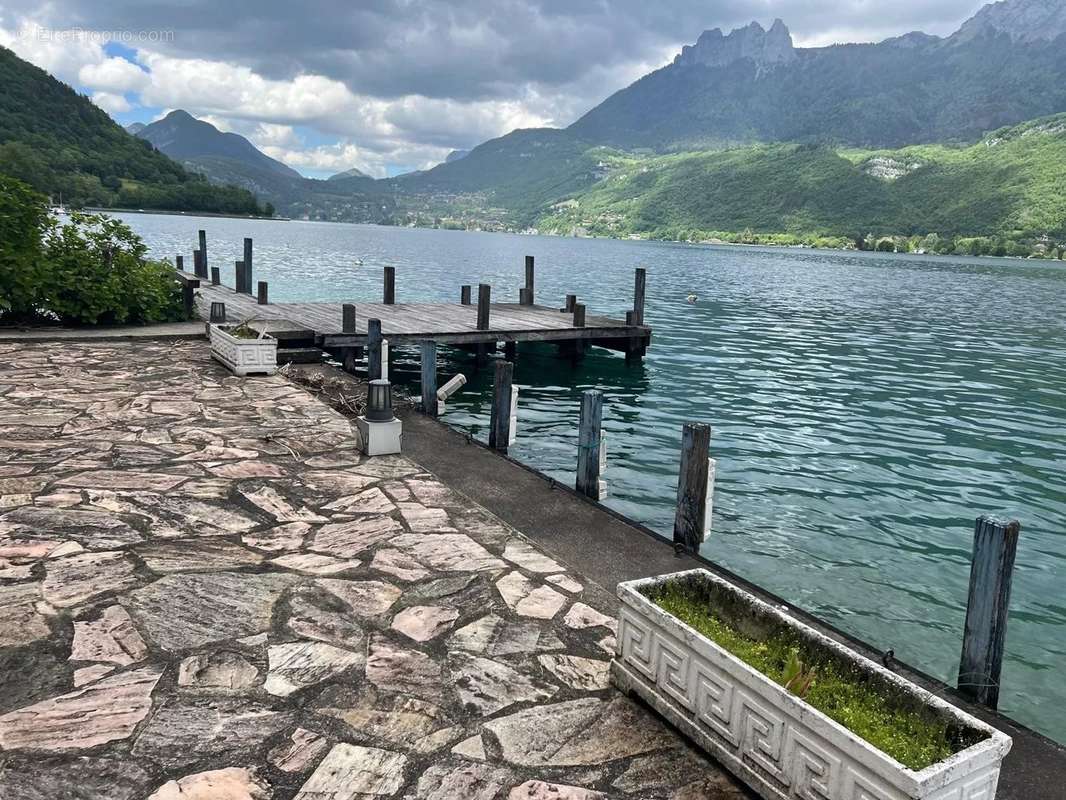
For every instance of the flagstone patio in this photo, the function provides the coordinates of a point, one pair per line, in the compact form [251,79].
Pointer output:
[207,592]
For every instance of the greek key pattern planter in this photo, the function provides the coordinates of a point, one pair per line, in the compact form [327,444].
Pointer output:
[772,740]
[244,356]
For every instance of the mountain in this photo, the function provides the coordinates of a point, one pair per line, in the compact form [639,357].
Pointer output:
[1005,65]
[135,127]
[187,139]
[62,144]
[348,173]
[455,155]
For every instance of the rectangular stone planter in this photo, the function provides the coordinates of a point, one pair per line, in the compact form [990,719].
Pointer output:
[244,356]
[772,740]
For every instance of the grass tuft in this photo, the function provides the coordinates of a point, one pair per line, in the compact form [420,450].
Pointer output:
[917,739]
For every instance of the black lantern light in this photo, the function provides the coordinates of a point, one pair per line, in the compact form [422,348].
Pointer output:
[379,401]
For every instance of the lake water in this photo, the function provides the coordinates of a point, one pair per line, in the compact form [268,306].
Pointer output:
[865,409]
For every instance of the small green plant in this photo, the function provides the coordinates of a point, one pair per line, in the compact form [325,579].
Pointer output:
[244,331]
[798,678]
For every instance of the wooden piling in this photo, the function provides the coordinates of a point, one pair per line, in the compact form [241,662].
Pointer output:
[995,544]
[389,289]
[510,350]
[524,297]
[373,349]
[690,520]
[216,277]
[484,296]
[429,378]
[247,261]
[579,315]
[238,277]
[464,294]
[196,263]
[218,312]
[527,300]
[639,284]
[571,301]
[261,294]
[348,318]
[500,419]
[589,435]
[202,236]
[179,263]
[188,297]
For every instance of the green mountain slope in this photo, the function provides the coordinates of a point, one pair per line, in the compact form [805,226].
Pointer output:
[754,86]
[1008,185]
[60,143]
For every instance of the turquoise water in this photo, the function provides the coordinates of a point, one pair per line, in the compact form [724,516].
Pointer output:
[865,409]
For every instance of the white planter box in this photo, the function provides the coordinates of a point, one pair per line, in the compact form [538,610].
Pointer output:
[772,740]
[244,356]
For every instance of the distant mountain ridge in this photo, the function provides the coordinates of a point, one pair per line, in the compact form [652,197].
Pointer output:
[1005,65]
[348,173]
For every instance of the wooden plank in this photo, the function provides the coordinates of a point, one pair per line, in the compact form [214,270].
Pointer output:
[690,520]
[500,416]
[995,544]
[589,434]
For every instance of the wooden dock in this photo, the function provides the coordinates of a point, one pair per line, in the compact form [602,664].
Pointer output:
[464,324]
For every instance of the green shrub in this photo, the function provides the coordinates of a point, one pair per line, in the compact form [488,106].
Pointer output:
[23,216]
[96,272]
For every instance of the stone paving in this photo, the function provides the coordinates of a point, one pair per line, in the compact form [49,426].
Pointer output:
[206,592]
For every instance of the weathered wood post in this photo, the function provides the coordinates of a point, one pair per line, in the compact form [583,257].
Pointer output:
[218,312]
[484,295]
[347,318]
[373,349]
[639,283]
[571,301]
[579,315]
[429,378]
[577,348]
[179,263]
[389,290]
[196,263]
[510,350]
[524,297]
[216,276]
[188,296]
[238,277]
[202,235]
[589,445]
[500,418]
[261,296]
[995,544]
[247,265]
[527,299]
[464,294]
[690,521]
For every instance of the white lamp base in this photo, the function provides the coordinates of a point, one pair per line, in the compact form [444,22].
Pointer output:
[380,438]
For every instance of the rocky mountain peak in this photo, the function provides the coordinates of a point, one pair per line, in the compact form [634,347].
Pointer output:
[767,48]
[1023,20]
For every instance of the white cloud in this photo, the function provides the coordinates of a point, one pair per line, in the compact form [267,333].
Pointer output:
[113,75]
[111,103]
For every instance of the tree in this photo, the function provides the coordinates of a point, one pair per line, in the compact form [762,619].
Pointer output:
[23,215]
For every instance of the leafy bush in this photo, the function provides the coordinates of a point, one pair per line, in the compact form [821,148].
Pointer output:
[23,216]
[90,269]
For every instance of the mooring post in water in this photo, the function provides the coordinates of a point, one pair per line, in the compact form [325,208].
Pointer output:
[179,263]
[579,315]
[389,289]
[261,295]
[429,378]
[510,350]
[248,264]
[527,298]
[523,297]
[196,263]
[373,349]
[500,432]
[590,450]
[202,235]
[238,277]
[995,544]
[347,318]
[464,294]
[691,519]
[216,276]
[218,312]
[640,280]
[571,301]
[484,296]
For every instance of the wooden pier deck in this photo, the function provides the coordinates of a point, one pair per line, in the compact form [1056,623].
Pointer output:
[443,323]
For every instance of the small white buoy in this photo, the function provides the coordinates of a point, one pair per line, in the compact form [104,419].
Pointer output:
[691,299]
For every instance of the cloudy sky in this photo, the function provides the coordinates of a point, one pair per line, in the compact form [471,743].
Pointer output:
[391,85]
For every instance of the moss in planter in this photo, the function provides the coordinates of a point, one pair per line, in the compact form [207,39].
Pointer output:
[243,331]
[915,738]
